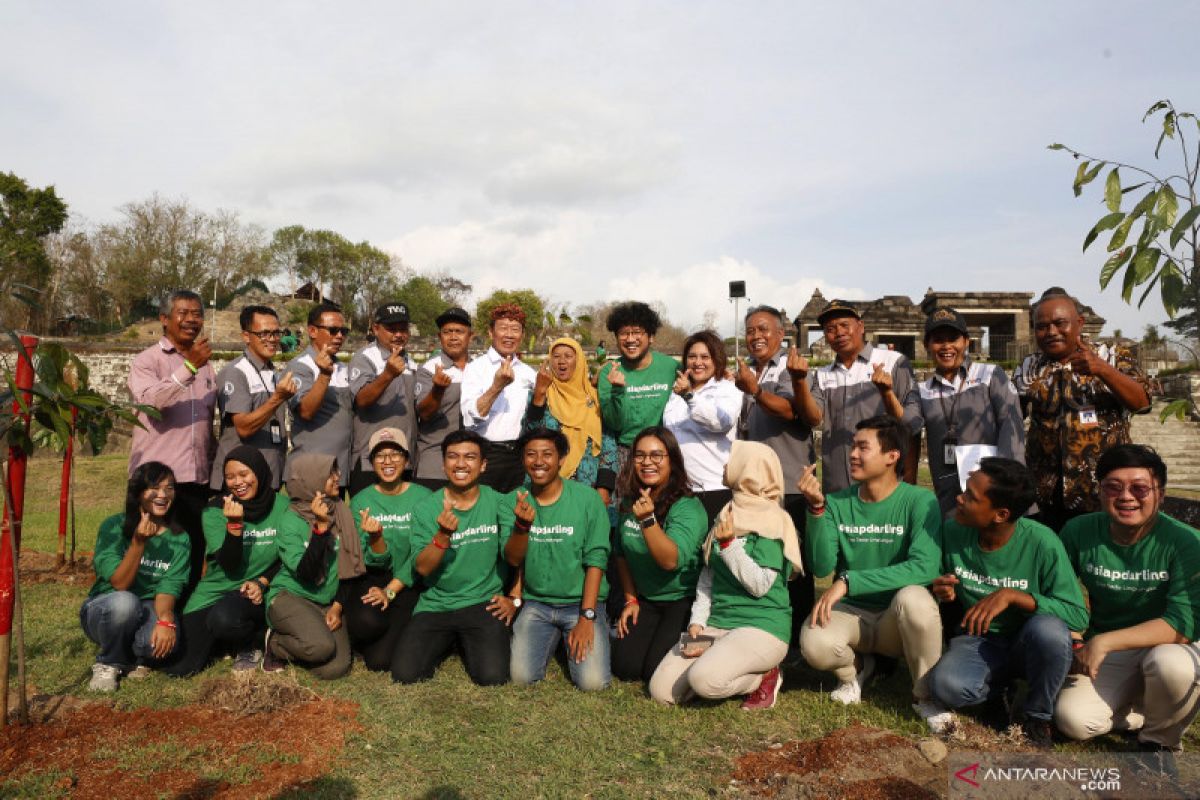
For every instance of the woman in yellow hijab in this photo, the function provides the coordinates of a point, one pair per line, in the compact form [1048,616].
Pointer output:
[565,400]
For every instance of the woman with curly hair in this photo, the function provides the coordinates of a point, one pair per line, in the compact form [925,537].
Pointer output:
[657,553]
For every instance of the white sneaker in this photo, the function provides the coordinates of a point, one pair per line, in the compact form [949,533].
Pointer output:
[140,672]
[848,693]
[939,718]
[104,678]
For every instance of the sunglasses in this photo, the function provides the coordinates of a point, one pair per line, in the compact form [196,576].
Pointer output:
[1140,491]
[266,335]
[334,330]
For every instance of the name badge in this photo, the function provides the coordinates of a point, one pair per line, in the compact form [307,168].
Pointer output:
[948,446]
[1088,417]
[276,432]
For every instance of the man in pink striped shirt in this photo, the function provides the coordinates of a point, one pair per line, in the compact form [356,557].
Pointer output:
[174,376]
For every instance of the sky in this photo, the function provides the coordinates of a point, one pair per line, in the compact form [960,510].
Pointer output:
[601,151]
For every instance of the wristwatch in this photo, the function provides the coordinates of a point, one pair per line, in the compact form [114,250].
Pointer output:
[588,613]
[390,594]
[844,577]
[516,601]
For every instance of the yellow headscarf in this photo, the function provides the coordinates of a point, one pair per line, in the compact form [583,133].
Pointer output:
[576,406]
[756,478]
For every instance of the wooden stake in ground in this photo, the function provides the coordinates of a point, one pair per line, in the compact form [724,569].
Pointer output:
[18,627]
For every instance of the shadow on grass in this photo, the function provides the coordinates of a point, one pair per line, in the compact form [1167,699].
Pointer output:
[326,787]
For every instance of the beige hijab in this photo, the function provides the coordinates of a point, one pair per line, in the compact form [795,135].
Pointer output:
[306,476]
[756,478]
[576,406]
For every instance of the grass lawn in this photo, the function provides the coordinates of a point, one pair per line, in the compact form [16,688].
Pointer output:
[448,738]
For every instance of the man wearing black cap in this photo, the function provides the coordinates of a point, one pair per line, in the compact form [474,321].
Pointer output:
[381,383]
[438,391]
[964,403]
[862,382]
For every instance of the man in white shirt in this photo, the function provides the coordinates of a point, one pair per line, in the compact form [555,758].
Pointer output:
[495,391]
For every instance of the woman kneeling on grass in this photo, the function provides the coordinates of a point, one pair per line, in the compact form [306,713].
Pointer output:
[141,564]
[378,605]
[226,614]
[741,607]
[658,553]
[302,611]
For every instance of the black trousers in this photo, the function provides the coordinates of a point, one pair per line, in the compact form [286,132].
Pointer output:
[505,471]
[374,633]
[484,642]
[801,591]
[638,653]
[231,624]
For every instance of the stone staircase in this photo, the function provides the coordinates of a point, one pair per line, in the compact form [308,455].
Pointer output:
[1177,441]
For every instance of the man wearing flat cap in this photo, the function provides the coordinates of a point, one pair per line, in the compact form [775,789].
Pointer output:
[964,403]
[438,391]
[381,383]
[863,381]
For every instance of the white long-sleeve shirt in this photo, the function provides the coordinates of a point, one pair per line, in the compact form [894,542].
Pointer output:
[705,426]
[503,421]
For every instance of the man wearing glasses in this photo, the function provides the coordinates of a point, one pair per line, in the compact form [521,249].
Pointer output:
[322,408]
[381,383]
[251,401]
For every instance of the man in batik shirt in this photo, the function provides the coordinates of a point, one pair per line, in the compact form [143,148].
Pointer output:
[1079,406]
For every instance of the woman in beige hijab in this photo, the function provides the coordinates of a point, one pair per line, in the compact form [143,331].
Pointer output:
[319,547]
[741,619]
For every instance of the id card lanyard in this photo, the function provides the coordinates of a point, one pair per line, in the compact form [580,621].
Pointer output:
[951,417]
[275,428]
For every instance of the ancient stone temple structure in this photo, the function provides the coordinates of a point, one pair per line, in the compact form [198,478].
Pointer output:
[1001,323]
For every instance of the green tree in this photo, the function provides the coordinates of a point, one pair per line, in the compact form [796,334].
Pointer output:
[27,216]
[424,303]
[529,301]
[1164,252]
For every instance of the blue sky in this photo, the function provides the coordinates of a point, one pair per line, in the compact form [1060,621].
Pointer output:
[597,151]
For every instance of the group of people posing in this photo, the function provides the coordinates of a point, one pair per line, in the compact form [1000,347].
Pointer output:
[658,522]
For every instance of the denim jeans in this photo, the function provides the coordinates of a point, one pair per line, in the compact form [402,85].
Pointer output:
[976,667]
[121,623]
[536,634]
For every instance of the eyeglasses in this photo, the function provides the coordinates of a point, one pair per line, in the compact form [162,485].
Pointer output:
[630,333]
[1140,491]
[334,330]
[654,457]
[265,335]
[389,456]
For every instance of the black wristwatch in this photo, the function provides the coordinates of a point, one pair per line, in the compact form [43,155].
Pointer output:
[588,613]
[648,522]
[844,577]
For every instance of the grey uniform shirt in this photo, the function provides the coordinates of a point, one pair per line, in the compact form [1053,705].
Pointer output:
[329,429]
[393,409]
[791,439]
[846,397]
[985,409]
[447,419]
[244,385]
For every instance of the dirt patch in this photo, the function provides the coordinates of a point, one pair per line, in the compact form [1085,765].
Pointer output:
[39,568]
[852,762]
[196,751]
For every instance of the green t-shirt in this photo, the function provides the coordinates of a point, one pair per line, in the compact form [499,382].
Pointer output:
[163,568]
[567,537]
[394,512]
[1158,576]
[885,546]
[734,607]
[469,573]
[292,541]
[1032,561]
[686,525]
[639,404]
[259,552]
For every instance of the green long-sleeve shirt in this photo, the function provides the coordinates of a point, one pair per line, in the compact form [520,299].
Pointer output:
[1033,561]
[884,546]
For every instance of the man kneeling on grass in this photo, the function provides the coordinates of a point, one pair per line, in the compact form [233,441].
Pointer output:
[457,536]
[881,538]
[1021,597]
[561,538]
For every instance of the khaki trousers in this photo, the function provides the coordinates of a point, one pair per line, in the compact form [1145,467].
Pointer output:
[1151,689]
[910,626]
[734,665]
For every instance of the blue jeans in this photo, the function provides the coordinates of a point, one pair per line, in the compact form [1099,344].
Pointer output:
[976,667]
[121,623]
[536,634]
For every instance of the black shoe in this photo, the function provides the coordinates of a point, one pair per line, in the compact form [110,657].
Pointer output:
[998,709]
[1039,733]
[1155,759]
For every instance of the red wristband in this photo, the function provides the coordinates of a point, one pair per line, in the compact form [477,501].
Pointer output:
[521,526]
[434,542]
[166,624]
[1077,644]
[317,531]
[632,601]
[235,526]
[725,544]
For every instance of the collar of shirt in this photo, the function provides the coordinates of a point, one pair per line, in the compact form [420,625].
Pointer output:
[963,371]
[167,345]
[494,357]
[772,361]
[261,366]
[864,356]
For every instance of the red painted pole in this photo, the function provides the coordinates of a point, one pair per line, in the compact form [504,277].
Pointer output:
[64,491]
[17,460]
